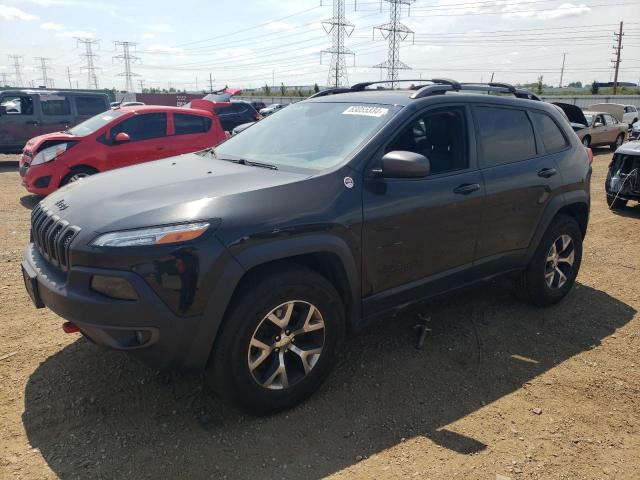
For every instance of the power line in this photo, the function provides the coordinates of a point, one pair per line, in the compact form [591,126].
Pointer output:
[395,32]
[17,68]
[127,58]
[90,58]
[46,81]
[338,27]
[618,50]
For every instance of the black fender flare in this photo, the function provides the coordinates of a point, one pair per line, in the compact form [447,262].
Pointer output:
[575,197]
[255,256]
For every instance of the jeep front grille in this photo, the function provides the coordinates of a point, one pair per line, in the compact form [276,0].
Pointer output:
[52,236]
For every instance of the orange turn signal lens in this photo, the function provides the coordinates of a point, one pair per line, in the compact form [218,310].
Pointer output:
[175,237]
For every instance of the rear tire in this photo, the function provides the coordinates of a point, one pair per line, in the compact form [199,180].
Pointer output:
[586,141]
[554,266]
[77,173]
[619,141]
[252,351]
[617,204]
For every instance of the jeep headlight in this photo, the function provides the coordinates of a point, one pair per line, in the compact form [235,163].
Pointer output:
[50,153]
[162,235]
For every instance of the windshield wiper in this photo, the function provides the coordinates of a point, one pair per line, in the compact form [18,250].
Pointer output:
[251,163]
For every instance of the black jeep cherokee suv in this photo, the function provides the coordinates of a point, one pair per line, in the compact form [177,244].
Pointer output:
[256,258]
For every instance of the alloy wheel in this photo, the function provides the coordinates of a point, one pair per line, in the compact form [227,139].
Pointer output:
[286,345]
[559,261]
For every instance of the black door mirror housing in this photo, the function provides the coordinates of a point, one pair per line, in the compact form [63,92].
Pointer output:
[403,164]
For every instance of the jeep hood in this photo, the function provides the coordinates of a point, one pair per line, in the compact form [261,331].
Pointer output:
[178,189]
[574,114]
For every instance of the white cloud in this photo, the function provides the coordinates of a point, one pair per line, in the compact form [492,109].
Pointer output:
[160,27]
[529,11]
[76,33]
[51,26]
[147,35]
[13,13]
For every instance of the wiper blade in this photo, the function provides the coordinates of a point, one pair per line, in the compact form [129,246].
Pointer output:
[251,163]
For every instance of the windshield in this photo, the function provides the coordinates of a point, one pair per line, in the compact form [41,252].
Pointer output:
[308,135]
[94,123]
[589,118]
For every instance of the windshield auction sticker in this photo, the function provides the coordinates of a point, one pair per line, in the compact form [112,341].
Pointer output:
[366,111]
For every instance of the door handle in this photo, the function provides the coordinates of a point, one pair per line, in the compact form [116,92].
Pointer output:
[466,188]
[547,172]
[32,122]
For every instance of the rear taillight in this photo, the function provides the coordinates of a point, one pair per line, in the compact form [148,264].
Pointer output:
[589,154]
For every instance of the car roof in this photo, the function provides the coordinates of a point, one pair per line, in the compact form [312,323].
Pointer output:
[595,112]
[161,108]
[630,148]
[33,91]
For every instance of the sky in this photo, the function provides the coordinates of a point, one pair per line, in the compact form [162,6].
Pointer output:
[179,44]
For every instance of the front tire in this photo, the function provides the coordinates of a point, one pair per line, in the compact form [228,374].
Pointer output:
[554,266]
[78,173]
[616,203]
[279,341]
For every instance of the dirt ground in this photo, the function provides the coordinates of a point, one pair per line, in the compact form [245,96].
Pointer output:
[500,389]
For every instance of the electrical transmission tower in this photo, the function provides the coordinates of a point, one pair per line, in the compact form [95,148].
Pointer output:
[618,51]
[395,32]
[127,58]
[17,69]
[339,28]
[42,61]
[4,79]
[89,58]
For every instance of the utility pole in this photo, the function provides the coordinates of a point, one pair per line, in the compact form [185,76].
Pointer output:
[210,83]
[141,82]
[46,81]
[69,76]
[395,32]
[89,58]
[17,68]
[564,56]
[127,59]
[618,51]
[338,27]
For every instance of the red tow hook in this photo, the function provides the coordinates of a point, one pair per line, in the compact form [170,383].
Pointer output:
[69,327]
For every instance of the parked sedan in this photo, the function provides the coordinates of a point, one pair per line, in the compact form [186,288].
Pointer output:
[117,138]
[271,109]
[595,128]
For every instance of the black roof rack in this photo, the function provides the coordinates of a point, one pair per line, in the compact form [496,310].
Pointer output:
[437,86]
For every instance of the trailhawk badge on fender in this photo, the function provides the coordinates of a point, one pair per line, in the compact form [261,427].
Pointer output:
[348,182]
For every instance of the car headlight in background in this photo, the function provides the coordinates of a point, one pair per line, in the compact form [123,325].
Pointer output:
[50,153]
[152,235]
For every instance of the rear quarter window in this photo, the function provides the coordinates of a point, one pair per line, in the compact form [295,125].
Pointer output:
[552,137]
[505,134]
[185,124]
[90,105]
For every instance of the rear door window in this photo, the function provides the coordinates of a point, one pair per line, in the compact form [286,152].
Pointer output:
[185,124]
[55,105]
[90,105]
[505,136]
[548,130]
[17,105]
[142,127]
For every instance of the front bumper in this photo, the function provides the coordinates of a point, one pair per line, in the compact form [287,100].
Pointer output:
[146,328]
[40,179]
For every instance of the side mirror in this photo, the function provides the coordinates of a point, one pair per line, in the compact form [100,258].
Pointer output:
[598,124]
[122,137]
[402,164]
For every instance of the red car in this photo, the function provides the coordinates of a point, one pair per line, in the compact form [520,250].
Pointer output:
[118,138]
